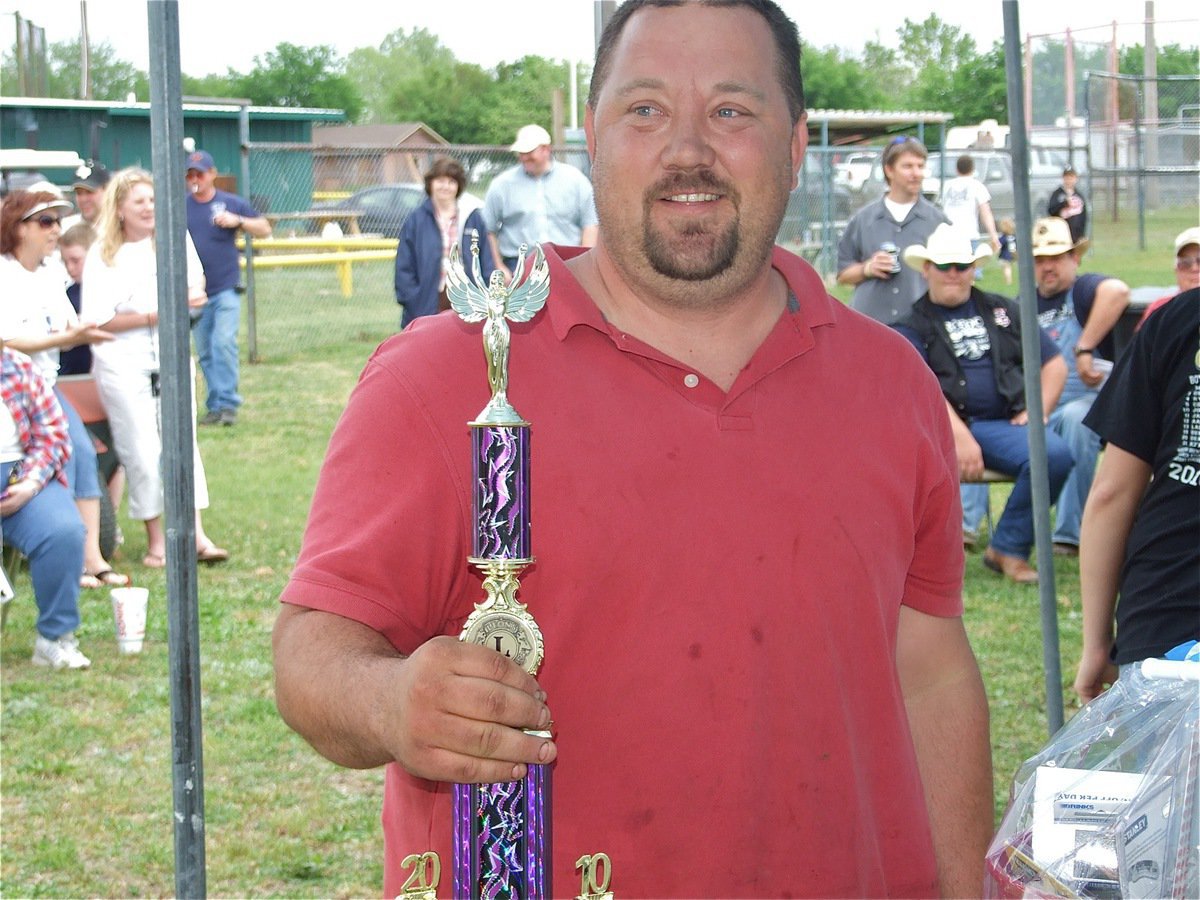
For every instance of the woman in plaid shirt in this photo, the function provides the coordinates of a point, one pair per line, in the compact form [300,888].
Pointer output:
[37,511]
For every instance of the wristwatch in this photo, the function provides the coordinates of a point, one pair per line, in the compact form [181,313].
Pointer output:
[1080,351]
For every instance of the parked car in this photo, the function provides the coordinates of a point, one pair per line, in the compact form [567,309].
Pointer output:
[382,209]
[806,212]
[855,170]
[992,167]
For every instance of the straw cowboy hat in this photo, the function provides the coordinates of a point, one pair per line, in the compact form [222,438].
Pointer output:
[1052,237]
[947,244]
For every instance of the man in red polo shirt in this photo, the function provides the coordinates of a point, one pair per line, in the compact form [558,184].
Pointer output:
[745,517]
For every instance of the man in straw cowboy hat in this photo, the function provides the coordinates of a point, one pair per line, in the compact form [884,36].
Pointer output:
[1078,312]
[972,342]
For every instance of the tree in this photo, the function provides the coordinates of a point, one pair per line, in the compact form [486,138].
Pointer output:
[413,77]
[834,80]
[1171,60]
[293,76]
[111,78]
[979,87]
[523,94]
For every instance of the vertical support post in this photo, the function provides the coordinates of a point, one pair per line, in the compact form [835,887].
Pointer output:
[1039,476]
[251,305]
[183,621]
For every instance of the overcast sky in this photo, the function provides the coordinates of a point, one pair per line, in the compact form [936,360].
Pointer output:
[218,34]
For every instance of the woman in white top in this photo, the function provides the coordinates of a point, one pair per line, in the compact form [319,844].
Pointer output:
[37,319]
[120,294]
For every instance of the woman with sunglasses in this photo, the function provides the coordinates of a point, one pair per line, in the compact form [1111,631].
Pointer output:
[120,292]
[37,319]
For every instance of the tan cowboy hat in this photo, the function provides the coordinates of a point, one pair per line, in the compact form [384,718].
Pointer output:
[1052,237]
[947,244]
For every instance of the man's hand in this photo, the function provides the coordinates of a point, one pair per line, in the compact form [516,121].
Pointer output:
[1088,373]
[462,708]
[879,265]
[449,712]
[970,456]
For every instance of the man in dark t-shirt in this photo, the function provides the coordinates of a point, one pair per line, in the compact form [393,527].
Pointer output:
[972,341]
[1079,313]
[1141,526]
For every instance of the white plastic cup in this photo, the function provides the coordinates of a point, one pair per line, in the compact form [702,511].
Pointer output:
[129,616]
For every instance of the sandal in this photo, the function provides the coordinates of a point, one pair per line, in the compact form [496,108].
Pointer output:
[211,553]
[153,561]
[104,578]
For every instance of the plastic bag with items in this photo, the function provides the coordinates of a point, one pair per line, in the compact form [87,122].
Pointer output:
[1108,807]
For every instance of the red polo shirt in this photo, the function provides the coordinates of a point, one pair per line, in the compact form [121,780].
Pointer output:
[718,580]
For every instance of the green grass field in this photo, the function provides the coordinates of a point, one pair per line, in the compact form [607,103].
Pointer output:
[86,790]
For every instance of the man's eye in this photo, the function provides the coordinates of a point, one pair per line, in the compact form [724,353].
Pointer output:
[644,110]
[726,113]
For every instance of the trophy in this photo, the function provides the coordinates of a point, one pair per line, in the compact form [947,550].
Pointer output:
[501,831]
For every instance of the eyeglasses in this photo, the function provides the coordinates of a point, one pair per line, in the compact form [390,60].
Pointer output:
[48,221]
[1187,262]
[956,267]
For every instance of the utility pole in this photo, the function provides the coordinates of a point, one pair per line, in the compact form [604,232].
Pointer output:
[85,55]
[1150,93]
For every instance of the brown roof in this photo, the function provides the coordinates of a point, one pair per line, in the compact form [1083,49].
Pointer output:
[394,135]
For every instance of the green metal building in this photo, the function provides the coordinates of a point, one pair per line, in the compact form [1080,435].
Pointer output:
[118,135]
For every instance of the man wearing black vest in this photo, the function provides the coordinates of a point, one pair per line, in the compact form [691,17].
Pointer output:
[972,342]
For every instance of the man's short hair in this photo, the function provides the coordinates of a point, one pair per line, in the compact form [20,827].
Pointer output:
[783,30]
[965,164]
[897,146]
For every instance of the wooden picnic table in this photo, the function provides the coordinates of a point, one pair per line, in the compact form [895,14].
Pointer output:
[320,217]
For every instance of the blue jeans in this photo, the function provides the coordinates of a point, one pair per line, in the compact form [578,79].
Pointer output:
[82,474]
[50,533]
[1006,449]
[974,504]
[216,344]
[1084,444]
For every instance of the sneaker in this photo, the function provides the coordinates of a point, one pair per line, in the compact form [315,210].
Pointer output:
[62,653]
[212,417]
[228,417]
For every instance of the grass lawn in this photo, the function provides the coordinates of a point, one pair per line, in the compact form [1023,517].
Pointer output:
[86,789]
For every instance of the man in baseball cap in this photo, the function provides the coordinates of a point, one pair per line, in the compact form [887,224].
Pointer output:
[972,342]
[1078,312]
[214,219]
[539,199]
[1187,268]
[91,180]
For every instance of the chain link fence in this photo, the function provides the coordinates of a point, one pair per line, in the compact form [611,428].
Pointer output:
[326,275]
[1143,142]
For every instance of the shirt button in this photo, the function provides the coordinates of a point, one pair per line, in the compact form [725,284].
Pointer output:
[691,379]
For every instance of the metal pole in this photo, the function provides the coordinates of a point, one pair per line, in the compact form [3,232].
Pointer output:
[85,59]
[251,305]
[1139,150]
[1030,350]
[183,622]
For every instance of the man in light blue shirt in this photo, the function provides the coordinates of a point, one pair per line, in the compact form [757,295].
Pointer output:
[539,199]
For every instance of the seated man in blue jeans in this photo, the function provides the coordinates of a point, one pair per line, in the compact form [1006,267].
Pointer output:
[972,341]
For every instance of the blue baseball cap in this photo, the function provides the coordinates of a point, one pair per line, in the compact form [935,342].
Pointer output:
[201,161]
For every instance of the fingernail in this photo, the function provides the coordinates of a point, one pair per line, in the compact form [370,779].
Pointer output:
[545,752]
[544,718]
[518,772]
[539,696]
